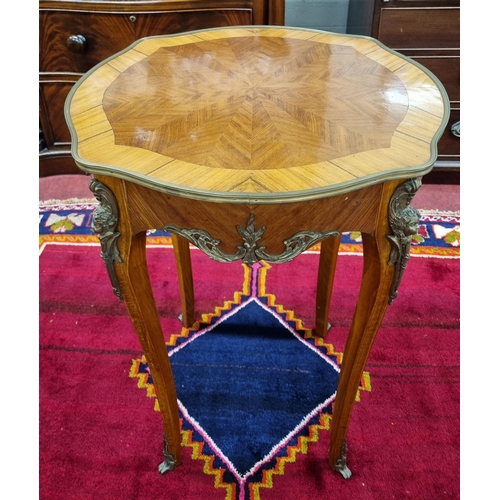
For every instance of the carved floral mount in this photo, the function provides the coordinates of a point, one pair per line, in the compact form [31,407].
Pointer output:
[403,220]
[104,222]
[249,252]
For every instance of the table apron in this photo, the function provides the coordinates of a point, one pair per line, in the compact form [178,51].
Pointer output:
[354,211]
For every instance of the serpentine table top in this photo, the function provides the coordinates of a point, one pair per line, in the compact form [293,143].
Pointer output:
[257,115]
[311,133]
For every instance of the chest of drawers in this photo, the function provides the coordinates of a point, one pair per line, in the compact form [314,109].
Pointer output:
[76,35]
[428,31]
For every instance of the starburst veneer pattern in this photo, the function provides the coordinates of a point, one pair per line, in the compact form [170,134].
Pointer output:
[277,112]
[257,111]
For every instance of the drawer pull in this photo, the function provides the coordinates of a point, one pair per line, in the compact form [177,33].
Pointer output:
[455,129]
[76,43]
[133,19]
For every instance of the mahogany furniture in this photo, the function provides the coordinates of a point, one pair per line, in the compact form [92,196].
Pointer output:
[428,31]
[254,143]
[75,35]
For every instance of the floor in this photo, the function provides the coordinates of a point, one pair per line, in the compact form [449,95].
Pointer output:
[440,191]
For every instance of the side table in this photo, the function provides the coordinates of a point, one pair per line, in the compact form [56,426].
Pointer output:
[255,143]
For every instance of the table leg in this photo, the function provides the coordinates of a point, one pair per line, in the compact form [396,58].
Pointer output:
[185,276]
[138,297]
[370,309]
[326,271]
[385,254]
[127,267]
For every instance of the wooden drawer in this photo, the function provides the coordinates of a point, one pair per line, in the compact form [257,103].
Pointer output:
[107,33]
[428,32]
[420,27]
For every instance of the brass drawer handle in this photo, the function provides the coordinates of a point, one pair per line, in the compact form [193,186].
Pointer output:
[76,43]
[455,129]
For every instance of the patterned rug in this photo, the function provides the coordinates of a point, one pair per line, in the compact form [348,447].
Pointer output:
[255,388]
[438,235]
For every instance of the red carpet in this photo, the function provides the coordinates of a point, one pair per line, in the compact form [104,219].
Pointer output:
[101,438]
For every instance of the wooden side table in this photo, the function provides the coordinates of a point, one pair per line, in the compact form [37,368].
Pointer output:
[254,143]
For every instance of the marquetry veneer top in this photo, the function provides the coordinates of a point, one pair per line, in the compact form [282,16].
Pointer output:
[257,114]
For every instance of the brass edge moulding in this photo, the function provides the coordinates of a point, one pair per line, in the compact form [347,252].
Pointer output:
[258,198]
[261,198]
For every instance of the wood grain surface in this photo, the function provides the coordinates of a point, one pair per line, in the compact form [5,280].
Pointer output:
[257,115]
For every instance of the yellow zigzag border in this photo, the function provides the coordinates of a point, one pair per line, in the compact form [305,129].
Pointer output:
[208,468]
[292,451]
[303,441]
[207,318]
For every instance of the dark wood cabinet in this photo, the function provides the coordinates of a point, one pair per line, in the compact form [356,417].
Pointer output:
[428,32]
[76,35]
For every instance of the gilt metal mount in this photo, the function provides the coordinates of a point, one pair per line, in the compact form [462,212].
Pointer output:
[104,222]
[168,463]
[403,220]
[341,465]
[249,252]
